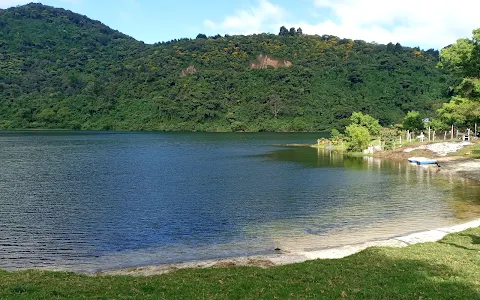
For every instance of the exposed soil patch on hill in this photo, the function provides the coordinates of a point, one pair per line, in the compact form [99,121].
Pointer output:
[264,61]
[188,71]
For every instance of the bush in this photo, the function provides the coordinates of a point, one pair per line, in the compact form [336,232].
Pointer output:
[388,136]
[358,137]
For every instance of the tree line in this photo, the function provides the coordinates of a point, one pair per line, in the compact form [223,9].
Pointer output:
[59,69]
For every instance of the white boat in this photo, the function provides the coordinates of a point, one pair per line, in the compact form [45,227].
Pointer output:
[422,161]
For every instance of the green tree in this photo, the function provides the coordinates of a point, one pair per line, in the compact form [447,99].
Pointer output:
[367,121]
[336,137]
[388,137]
[283,31]
[463,58]
[46,115]
[462,111]
[358,137]
[276,104]
[456,55]
[413,121]
[438,125]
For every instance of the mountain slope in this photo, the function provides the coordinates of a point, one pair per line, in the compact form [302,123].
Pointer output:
[59,69]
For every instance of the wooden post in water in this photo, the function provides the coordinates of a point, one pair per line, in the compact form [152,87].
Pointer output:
[476,129]
[429,133]
[434,135]
[445,137]
[453,128]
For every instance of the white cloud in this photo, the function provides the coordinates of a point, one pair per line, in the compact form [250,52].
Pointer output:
[264,17]
[424,23]
[427,23]
[11,3]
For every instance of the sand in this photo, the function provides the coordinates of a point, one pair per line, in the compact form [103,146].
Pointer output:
[441,149]
[279,259]
[465,167]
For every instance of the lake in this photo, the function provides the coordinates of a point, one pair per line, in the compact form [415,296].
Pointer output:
[89,201]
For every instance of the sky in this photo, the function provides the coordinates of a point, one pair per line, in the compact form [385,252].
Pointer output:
[424,23]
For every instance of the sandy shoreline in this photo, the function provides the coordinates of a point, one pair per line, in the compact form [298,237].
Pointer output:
[464,167]
[301,256]
[455,165]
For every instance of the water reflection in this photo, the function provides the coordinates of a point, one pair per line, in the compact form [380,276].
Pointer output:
[379,199]
[100,200]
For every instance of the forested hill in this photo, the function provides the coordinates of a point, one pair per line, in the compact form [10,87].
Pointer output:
[59,69]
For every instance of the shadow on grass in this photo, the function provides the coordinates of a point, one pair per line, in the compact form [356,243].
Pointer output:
[374,275]
[471,245]
[377,273]
[475,238]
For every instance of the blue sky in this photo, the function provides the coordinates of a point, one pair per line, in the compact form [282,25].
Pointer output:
[424,23]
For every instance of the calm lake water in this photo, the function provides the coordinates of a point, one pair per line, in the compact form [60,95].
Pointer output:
[88,201]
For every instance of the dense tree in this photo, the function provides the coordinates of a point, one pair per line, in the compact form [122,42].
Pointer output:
[413,121]
[438,125]
[463,58]
[457,56]
[283,31]
[59,69]
[460,111]
[366,121]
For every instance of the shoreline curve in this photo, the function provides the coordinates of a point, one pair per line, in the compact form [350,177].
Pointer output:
[462,167]
[273,260]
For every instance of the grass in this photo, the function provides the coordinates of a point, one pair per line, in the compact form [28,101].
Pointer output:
[475,151]
[449,269]
[472,151]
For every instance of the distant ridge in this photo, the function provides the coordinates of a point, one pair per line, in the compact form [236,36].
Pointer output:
[59,69]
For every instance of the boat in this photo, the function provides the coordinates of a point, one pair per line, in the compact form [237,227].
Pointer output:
[422,161]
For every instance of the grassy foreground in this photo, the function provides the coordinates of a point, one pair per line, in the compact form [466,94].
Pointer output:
[475,151]
[472,151]
[449,269]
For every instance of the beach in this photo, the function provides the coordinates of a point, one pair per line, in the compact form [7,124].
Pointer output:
[265,261]
[469,168]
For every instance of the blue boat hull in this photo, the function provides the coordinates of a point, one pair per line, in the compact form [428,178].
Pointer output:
[422,161]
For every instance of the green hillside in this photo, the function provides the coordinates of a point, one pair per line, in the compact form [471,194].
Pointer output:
[59,69]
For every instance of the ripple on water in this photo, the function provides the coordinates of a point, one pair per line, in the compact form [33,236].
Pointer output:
[91,201]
